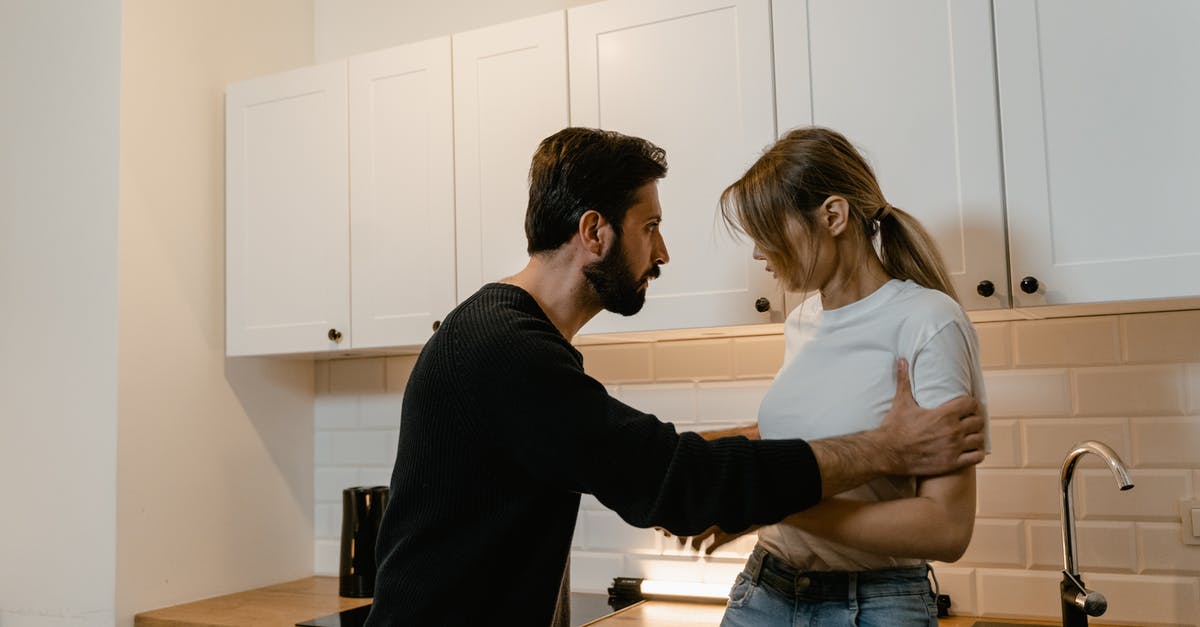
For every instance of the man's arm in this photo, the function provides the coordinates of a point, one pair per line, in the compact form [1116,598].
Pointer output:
[910,441]
[749,431]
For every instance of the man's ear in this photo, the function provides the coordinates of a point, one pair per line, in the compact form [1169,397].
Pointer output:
[835,214]
[594,232]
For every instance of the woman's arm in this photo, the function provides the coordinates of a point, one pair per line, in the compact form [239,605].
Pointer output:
[938,522]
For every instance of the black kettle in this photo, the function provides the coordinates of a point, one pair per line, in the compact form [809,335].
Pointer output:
[362,511]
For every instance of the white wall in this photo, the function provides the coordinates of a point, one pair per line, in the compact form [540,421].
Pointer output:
[214,491]
[59,65]
[342,29]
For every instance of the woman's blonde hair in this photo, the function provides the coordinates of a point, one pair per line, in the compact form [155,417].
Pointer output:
[794,177]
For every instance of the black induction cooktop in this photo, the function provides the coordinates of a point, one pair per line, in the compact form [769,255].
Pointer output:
[585,608]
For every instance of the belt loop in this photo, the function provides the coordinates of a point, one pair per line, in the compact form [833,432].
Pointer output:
[852,591]
[754,565]
[937,590]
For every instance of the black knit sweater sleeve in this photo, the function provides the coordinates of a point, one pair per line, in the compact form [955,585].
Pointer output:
[564,428]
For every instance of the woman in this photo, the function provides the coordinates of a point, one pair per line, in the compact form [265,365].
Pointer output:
[813,208]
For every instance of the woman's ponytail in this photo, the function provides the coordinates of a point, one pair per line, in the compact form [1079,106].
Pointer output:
[909,252]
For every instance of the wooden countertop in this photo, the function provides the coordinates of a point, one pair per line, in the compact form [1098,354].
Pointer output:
[286,604]
[678,614]
[281,605]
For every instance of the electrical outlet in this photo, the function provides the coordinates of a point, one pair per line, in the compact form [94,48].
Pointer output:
[1189,515]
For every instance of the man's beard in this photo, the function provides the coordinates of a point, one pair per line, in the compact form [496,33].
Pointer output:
[615,284]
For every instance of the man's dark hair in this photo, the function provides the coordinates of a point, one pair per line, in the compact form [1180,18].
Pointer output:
[577,169]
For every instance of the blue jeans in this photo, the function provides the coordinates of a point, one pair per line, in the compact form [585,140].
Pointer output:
[769,592]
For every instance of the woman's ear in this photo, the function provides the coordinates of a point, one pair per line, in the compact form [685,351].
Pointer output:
[835,215]
[593,231]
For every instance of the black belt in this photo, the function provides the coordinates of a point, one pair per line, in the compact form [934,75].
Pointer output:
[776,574]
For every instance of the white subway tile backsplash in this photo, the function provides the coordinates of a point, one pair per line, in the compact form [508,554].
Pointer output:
[1193,389]
[335,412]
[594,572]
[1047,442]
[323,447]
[380,410]
[1162,337]
[1006,445]
[1056,395]
[1017,493]
[1171,441]
[1155,495]
[327,555]
[589,502]
[356,376]
[757,356]
[959,584]
[995,341]
[329,483]
[375,476]
[579,538]
[666,567]
[999,543]
[732,402]
[1129,391]
[1148,599]
[327,524]
[670,402]
[1018,593]
[607,532]
[1099,545]
[1162,552]
[321,377]
[1020,393]
[1066,342]
[397,370]
[360,448]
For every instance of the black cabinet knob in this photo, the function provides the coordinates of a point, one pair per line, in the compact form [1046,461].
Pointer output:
[335,335]
[1029,285]
[762,305]
[985,288]
[436,324]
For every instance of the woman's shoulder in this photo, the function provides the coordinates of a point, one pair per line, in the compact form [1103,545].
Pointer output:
[929,305]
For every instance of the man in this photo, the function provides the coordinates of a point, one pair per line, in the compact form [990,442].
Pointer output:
[501,429]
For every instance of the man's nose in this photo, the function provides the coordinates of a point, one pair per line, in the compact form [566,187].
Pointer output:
[660,251]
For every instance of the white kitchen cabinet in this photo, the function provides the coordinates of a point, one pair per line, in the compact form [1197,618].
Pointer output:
[912,85]
[340,211]
[1098,102]
[510,92]
[401,194]
[694,77]
[287,220]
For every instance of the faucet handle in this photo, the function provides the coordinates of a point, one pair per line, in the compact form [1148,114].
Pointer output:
[1075,593]
[1091,602]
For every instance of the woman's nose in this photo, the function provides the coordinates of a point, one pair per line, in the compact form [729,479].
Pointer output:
[758,254]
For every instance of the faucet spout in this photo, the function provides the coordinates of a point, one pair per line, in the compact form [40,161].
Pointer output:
[1070,557]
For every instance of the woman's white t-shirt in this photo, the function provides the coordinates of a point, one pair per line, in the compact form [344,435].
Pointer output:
[838,377]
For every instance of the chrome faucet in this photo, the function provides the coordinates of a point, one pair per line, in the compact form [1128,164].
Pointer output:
[1077,601]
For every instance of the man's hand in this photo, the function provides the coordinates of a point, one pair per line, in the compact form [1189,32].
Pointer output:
[918,441]
[911,441]
[719,538]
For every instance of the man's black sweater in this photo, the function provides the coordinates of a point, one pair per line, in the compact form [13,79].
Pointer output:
[500,433]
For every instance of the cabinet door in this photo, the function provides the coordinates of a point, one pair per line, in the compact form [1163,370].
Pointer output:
[694,77]
[287,257]
[510,92]
[1098,102]
[912,85]
[401,193]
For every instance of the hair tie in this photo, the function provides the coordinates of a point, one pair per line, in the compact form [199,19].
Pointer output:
[883,212]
